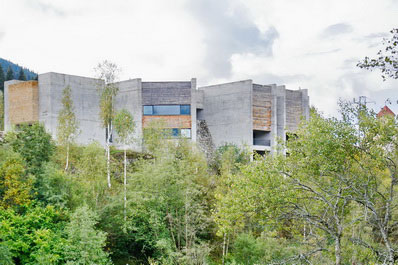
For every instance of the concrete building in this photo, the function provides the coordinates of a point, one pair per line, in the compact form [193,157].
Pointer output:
[254,115]
[240,112]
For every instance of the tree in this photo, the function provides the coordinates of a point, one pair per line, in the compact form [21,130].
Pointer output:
[33,236]
[67,128]
[84,244]
[169,206]
[21,75]
[108,72]
[308,188]
[2,79]
[387,60]
[10,74]
[15,188]
[91,169]
[124,126]
[33,143]
[374,187]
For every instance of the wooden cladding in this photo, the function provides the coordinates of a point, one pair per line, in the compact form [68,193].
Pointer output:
[262,101]
[294,109]
[23,101]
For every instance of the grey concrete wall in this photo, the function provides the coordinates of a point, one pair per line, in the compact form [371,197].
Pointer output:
[154,93]
[7,124]
[194,106]
[227,109]
[85,96]
[129,97]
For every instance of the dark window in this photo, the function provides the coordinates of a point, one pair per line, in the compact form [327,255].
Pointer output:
[175,132]
[185,109]
[148,110]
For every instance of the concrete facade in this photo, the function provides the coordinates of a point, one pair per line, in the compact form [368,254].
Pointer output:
[253,115]
[240,112]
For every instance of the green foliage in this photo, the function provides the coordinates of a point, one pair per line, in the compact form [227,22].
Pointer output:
[15,188]
[91,182]
[54,187]
[2,79]
[387,60]
[124,126]
[248,249]
[84,243]
[108,72]
[167,199]
[34,235]
[33,143]
[21,75]
[67,128]
[10,74]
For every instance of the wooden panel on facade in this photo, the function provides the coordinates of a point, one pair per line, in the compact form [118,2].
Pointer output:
[23,101]
[166,121]
[262,101]
[294,109]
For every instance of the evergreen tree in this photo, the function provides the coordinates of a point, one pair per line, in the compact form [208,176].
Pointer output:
[21,75]
[2,78]
[10,74]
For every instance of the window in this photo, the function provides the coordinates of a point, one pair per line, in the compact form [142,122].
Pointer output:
[167,110]
[175,132]
[148,110]
[186,133]
[185,109]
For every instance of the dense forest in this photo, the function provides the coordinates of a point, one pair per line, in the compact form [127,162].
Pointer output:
[10,70]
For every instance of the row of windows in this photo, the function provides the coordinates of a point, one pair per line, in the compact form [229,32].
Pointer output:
[167,110]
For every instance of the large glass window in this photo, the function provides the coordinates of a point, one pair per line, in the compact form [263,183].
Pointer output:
[167,110]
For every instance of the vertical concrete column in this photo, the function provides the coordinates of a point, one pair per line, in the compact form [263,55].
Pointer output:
[278,130]
[305,103]
[274,120]
[194,94]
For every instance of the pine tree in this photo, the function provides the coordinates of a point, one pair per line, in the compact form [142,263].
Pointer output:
[2,78]
[21,75]
[10,74]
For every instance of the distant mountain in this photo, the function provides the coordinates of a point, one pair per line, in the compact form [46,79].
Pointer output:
[16,68]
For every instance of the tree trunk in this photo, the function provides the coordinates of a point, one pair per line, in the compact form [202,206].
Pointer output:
[108,162]
[223,248]
[125,184]
[67,157]
[337,250]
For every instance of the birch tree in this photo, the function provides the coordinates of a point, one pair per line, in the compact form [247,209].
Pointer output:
[108,72]
[67,129]
[124,126]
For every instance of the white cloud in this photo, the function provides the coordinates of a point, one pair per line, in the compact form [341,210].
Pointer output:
[316,43]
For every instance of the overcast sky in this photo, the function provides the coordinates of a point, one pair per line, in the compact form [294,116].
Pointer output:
[313,44]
